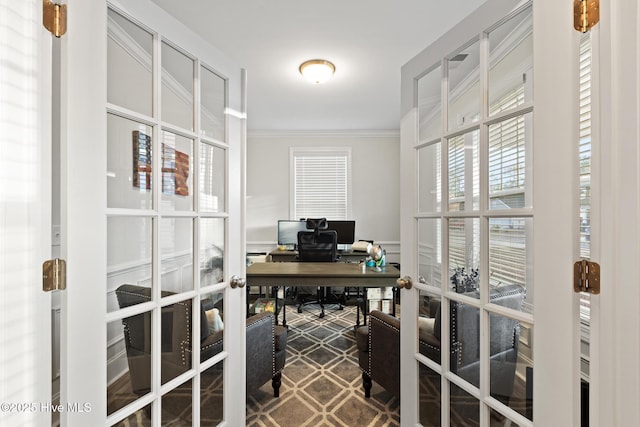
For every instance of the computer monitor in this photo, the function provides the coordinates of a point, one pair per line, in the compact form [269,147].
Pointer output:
[288,231]
[346,231]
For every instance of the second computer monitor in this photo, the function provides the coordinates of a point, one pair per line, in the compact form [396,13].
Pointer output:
[288,232]
[346,230]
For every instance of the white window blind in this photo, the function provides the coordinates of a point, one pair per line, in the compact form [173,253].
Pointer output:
[321,183]
[507,251]
[585,147]
[464,171]
[585,165]
[507,236]
[456,167]
[507,154]
[458,245]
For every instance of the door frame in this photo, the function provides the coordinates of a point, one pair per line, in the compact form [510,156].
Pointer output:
[615,316]
[84,231]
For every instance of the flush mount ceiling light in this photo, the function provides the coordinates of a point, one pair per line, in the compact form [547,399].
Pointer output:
[317,70]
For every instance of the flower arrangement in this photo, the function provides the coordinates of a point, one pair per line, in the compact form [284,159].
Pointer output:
[463,281]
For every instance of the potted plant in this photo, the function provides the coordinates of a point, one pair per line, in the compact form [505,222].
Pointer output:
[464,281]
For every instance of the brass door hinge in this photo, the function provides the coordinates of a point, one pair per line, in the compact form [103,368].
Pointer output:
[54,275]
[586,14]
[586,277]
[54,17]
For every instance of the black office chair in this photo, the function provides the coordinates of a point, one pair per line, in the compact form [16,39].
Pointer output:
[317,245]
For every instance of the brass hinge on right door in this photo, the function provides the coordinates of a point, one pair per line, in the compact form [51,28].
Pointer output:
[586,277]
[586,14]
[54,17]
[54,275]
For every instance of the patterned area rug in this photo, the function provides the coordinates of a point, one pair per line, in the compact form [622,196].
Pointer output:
[321,381]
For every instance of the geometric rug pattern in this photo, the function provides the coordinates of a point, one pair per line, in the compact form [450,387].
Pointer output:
[321,380]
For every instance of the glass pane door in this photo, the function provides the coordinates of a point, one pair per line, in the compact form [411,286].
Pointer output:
[475,294]
[167,228]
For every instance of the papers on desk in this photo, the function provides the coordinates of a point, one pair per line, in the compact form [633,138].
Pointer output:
[361,246]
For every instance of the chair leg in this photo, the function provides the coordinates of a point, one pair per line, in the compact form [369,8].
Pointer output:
[276,382]
[299,300]
[321,300]
[366,384]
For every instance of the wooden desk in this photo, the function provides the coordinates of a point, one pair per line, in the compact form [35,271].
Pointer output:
[320,274]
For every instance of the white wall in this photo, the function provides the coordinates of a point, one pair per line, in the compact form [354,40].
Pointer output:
[375,183]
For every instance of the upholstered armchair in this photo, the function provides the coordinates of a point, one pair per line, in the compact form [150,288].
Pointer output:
[266,342]
[379,352]
[379,344]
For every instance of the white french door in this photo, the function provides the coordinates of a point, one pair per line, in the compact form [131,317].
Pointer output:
[489,222]
[152,221]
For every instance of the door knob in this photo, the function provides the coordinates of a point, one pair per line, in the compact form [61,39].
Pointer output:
[237,281]
[404,282]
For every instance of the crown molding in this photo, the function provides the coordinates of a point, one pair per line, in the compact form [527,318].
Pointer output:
[394,133]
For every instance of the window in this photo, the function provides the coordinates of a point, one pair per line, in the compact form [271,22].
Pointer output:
[506,175]
[507,236]
[320,179]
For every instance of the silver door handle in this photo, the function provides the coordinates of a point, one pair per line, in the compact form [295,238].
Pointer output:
[237,282]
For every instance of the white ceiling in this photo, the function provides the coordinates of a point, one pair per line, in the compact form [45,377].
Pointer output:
[367,40]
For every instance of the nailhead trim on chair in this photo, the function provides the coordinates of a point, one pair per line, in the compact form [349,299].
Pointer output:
[273,346]
[452,346]
[127,333]
[126,326]
[210,345]
[185,346]
[426,344]
[369,348]
[514,291]
[457,345]
[386,324]
[273,340]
